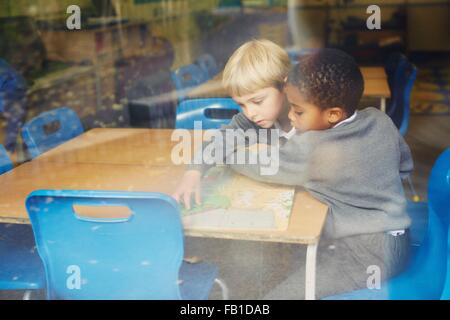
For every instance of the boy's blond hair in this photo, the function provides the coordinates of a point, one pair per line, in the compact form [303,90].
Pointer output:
[255,65]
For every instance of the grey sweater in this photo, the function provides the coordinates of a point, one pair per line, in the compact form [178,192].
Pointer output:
[355,168]
[238,124]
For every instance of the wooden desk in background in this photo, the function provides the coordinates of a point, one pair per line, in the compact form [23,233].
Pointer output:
[375,85]
[139,160]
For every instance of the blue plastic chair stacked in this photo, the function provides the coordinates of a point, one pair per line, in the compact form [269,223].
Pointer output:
[426,274]
[295,54]
[20,266]
[401,76]
[5,163]
[211,112]
[208,64]
[187,77]
[133,256]
[49,129]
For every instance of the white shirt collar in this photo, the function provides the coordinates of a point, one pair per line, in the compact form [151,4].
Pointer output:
[283,133]
[349,119]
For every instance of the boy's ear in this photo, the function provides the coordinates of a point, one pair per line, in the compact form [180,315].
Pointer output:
[335,115]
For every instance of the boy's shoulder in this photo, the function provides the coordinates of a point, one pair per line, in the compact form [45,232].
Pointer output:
[379,117]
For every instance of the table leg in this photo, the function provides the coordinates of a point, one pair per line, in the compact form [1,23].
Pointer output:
[383,104]
[310,277]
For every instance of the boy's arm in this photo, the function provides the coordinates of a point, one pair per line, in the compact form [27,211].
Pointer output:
[290,166]
[406,162]
[239,121]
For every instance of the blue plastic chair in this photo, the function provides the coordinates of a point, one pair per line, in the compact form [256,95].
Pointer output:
[294,54]
[5,162]
[425,276]
[401,76]
[446,291]
[138,256]
[20,266]
[187,77]
[393,68]
[212,112]
[208,64]
[50,129]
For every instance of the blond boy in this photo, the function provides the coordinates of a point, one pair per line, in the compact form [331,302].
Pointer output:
[254,76]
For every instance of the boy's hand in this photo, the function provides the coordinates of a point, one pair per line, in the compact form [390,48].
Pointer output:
[190,183]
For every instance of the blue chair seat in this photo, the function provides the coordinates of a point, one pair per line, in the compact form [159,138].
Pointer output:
[20,265]
[197,280]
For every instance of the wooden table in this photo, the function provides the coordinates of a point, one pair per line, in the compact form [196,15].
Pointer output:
[102,159]
[375,85]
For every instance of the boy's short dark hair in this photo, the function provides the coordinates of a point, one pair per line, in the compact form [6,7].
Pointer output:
[329,78]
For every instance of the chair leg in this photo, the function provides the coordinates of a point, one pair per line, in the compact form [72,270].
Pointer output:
[223,286]
[415,196]
[27,295]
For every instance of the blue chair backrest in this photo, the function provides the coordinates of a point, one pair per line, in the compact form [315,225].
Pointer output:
[426,272]
[393,68]
[212,112]
[5,161]
[134,257]
[187,77]
[401,80]
[11,83]
[295,54]
[208,64]
[50,129]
